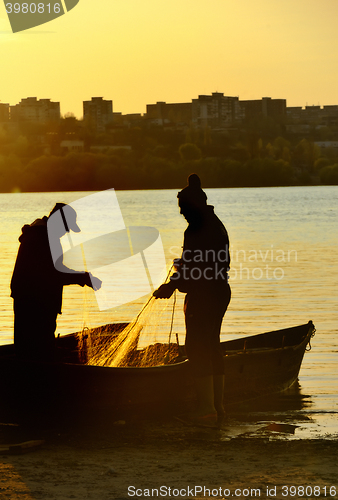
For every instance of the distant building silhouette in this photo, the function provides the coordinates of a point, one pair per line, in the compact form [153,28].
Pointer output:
[4,112]
[35,111]
[300,120]
[216,111]
[125,121]
[132,118]
[294,113]
[98,113]
[267,107]
[162,113]
[330,115]
[312,113]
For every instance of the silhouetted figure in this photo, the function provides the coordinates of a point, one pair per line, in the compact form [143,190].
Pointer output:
[37,286]
[202,275]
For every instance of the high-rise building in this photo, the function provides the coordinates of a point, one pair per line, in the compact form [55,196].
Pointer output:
[216,110]
[266,106]
[98,113]
[4,112]
[330,115]
[35,111]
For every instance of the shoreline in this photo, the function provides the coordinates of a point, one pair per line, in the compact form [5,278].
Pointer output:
[170,189]
[102,462]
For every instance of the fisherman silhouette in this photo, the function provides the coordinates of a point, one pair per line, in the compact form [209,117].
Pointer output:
[37,286]
[202,274]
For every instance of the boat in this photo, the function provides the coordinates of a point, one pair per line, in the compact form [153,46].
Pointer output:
[255,366]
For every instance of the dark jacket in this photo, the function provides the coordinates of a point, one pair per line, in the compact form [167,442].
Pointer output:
[205,259]
[35,278]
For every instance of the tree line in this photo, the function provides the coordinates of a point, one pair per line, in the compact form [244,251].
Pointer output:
[160,158]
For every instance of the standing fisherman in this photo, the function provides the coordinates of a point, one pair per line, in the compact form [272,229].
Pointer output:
[37,285]
[202,275]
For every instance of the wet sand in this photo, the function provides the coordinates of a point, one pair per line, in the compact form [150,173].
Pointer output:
[101,462]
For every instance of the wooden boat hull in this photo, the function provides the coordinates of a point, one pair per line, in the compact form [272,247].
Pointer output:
[254,366]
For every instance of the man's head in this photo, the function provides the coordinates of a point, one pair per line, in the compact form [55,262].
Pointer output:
[68,217]
[61,220]
[192,200]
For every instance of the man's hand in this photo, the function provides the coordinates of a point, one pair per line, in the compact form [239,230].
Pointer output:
[96,283]
[93,282]
[165,291]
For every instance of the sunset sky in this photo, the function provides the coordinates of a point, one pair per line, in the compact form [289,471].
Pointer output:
[139,52]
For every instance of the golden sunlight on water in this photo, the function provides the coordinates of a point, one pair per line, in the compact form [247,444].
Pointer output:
[284,269]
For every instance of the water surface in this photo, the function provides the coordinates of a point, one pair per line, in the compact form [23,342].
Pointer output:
[284,272]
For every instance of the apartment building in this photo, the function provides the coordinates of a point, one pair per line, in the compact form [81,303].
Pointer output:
[35,111]
[267,107]
[162,113]
[216,111]
[4,112]
[98,113]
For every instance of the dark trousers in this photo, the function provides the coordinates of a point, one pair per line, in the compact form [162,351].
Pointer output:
[204,311]
[34,329]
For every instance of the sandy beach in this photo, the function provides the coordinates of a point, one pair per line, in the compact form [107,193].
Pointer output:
[163,458]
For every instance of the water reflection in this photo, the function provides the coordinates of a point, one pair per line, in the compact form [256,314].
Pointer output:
[275,415]
[290,400]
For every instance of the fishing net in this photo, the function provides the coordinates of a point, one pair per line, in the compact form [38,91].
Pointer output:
[155,337]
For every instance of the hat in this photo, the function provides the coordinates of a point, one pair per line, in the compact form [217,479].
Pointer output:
[68,215]
[193,194]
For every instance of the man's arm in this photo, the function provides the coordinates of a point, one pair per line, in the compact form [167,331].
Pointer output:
[80,278]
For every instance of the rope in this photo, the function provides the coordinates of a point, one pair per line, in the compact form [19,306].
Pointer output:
[309,343]
[171,325]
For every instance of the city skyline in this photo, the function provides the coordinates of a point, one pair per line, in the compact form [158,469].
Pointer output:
[143,53]
[52,102]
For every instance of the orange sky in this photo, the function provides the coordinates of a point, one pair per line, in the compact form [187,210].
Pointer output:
[137,52]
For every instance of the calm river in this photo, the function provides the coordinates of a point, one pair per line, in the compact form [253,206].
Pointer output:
[284,272]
